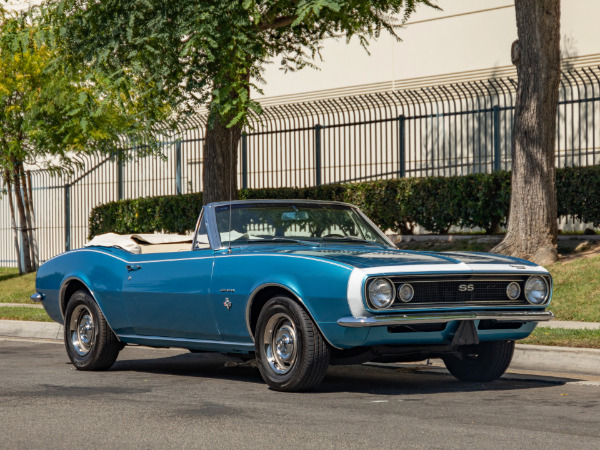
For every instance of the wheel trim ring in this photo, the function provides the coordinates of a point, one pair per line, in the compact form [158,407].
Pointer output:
[280,343]
[82,330]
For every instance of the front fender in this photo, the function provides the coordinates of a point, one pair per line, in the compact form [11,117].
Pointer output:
[100,271]
[319,285]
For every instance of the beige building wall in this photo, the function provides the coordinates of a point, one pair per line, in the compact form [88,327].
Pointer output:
[464,36]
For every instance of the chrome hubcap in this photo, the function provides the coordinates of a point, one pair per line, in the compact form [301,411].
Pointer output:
[280,343]
[82,330]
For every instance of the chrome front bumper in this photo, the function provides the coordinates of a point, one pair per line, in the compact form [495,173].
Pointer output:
[413,319]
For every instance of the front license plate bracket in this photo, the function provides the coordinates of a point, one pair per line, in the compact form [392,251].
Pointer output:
[466,334]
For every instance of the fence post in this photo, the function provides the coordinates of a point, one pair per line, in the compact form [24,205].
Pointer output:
[496,138]
[401,146]
[120,176]
[178,167]
[67,217]
[244,160]
[318,154]
[21,261]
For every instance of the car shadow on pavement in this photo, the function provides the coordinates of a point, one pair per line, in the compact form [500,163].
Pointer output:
[377,379]
[205,365]
[415,380]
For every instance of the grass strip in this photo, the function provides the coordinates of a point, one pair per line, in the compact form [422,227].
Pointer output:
[576,290]
[20,313]
[15,288]
[564,338]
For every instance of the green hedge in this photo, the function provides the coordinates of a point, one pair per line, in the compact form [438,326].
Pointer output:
[578,193]
[435,203]
[174,214]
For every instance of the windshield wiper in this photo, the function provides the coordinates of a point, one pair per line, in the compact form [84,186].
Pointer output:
[354,239]
[285,239]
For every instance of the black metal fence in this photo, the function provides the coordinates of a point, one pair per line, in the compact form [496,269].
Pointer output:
[442,130]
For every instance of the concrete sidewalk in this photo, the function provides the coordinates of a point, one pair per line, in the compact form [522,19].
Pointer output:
[570,325]
[560,360]
[21,305]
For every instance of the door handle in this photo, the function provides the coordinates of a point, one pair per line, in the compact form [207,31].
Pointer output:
[132,268]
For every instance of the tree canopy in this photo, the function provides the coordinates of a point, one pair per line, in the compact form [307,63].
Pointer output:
[193,53]
[48,114]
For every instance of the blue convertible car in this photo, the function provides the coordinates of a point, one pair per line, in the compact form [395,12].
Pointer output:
[298,285]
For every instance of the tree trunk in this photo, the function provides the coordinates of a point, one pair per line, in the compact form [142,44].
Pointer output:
[36,247]
[27,203]
[22,219]
[532,225]
[220,162]
[13,221]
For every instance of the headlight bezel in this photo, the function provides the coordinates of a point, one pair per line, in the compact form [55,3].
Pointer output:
[518,289]
[547,290]
[382,305]
[399,292]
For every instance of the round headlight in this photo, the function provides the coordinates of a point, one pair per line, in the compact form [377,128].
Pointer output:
[513,290]
[381,293]
[536,290]
[406,293]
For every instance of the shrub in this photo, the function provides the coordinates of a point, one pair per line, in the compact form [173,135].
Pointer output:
[578,193]
[435,203]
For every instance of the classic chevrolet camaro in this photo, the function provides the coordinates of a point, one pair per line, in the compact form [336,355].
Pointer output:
[298,285]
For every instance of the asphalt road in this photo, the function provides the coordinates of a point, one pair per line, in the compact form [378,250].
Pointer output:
[171,399]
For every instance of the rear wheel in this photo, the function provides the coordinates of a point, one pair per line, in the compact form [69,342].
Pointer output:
[90,343]
[291,354]
[486,361]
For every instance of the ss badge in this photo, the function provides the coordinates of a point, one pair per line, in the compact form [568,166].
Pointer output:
[466,287]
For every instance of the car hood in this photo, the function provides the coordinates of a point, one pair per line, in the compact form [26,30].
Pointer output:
[364,257]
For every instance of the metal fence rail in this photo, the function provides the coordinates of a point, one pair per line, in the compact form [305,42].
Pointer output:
[444,130]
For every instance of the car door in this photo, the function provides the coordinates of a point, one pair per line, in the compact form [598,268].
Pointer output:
[168,295]
[231,283]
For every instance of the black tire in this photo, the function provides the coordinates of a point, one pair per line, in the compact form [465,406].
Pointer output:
[301,359]
[90,343]
[486,361]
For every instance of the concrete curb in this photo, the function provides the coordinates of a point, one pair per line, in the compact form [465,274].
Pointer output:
[557,359]
[27,329]
[527,357]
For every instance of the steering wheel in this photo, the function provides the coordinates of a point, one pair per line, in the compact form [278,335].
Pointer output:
[333,235]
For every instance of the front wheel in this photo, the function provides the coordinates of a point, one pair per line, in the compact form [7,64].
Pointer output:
[90,343]
[486,361]
[291,354]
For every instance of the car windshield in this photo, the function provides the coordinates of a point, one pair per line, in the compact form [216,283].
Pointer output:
[294,223]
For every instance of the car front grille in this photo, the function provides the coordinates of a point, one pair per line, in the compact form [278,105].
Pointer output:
[459,290]
[449,291]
